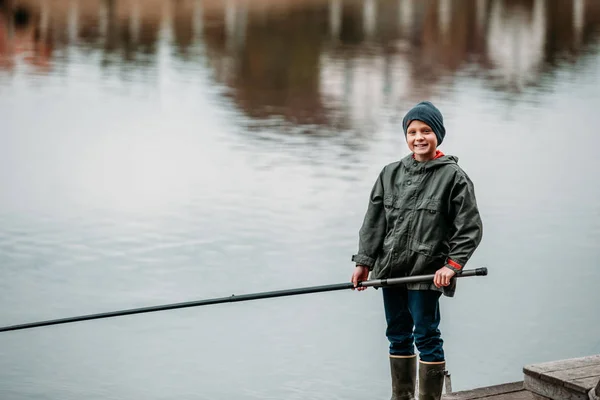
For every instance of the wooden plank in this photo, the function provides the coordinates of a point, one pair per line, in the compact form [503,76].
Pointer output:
[552,391]
[485,392]
[511,395]
[583,384]
[520,395]
[568,375]
[538,369]
[565,364]
[570,379]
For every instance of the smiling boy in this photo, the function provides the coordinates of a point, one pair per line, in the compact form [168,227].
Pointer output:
[422,218]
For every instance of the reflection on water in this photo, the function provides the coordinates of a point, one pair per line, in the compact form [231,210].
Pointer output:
[311,62]
[154,151]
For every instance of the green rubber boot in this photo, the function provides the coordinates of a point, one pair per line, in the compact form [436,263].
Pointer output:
[431,380]
[404,376]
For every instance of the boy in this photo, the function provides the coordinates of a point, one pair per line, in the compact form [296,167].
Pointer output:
[422,219]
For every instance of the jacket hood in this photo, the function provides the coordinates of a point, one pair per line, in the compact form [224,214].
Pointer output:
[410,163]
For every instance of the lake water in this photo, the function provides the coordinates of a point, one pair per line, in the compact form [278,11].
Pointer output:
[156,151]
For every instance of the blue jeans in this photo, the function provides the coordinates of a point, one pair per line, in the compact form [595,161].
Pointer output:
[413,317]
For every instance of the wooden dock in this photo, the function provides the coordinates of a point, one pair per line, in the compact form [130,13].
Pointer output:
[572,379]
[508,391]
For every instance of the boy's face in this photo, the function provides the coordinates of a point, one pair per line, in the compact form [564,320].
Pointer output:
[421,140]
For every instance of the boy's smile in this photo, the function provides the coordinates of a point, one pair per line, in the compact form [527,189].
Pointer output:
[421,140]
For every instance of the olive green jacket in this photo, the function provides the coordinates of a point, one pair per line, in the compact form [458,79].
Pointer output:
[421,216]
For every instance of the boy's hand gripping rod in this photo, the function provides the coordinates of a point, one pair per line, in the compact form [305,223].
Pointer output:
[376,283]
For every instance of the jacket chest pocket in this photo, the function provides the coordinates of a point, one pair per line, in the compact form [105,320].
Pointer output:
[392,204]
[430,206]
[431,222]
[431,211]
[393,209]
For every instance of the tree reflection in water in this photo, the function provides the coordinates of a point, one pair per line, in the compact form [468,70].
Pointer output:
[314,62]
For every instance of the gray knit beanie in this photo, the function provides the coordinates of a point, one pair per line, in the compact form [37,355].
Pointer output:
[428,113]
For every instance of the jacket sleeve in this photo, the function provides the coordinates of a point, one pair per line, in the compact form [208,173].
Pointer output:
[467,228]
[373,229]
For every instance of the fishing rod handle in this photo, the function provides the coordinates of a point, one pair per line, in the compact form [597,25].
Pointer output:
[420,278]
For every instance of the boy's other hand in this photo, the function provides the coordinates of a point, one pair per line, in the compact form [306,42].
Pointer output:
[361,273]
[443,276]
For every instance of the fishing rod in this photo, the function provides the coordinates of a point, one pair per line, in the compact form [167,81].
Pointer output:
[376,283]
